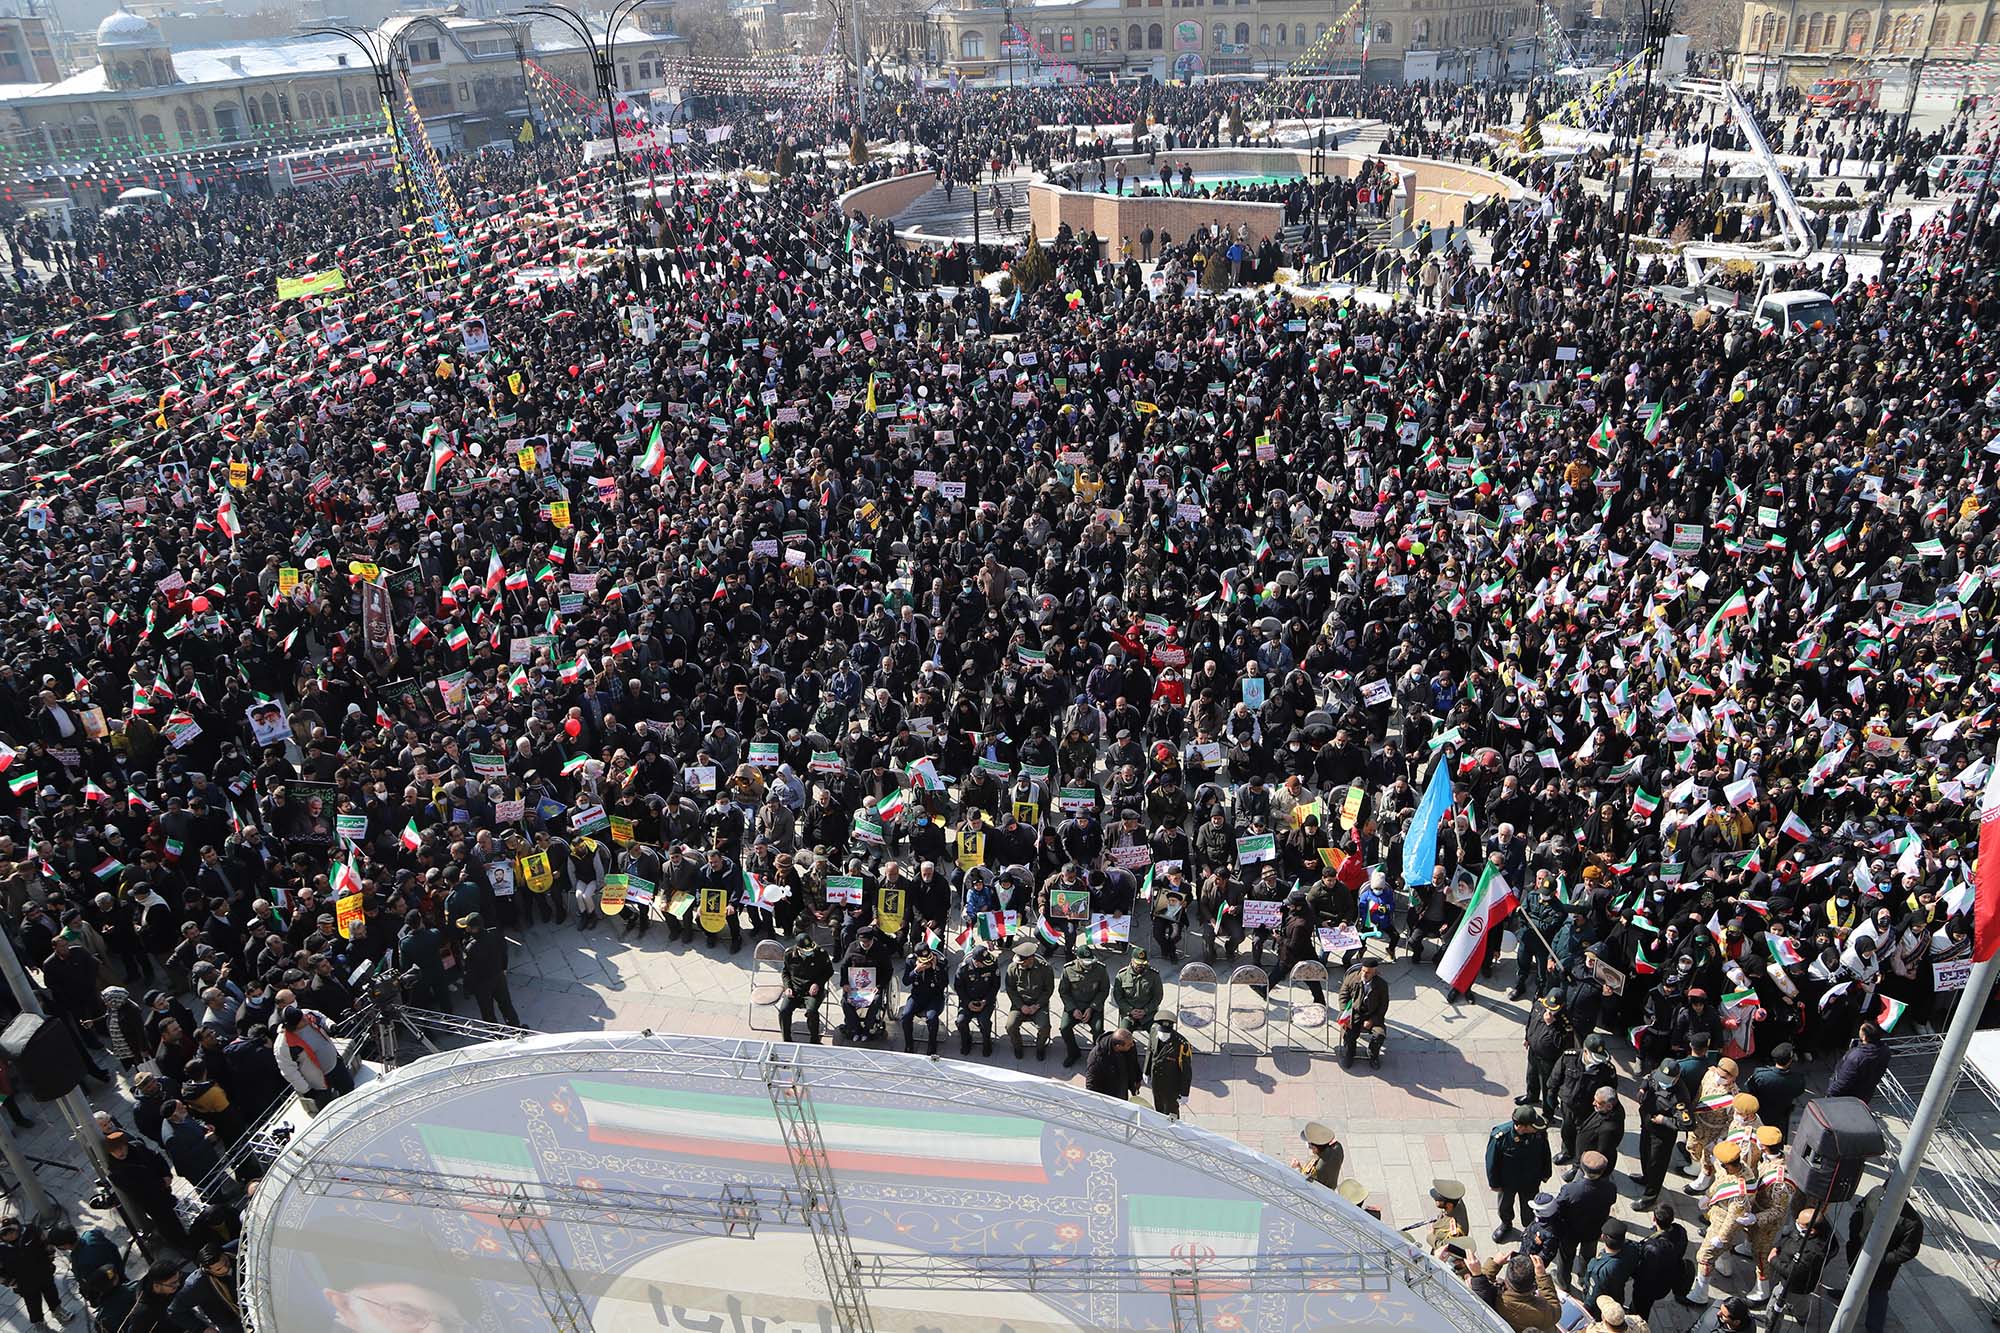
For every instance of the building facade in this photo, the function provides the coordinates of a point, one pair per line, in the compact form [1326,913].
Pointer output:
[144,100]
[1180,38]
[1803,40]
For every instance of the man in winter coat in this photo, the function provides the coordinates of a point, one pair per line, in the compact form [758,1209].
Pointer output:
[486,970]
[1363,1007]
[1517,1163]
[1579,1074]
[308,1059]
[1906,1238]
[422,947]
[1113,1067]
[28,1266]
[1548,1036]
[803,984]
[1582,1208]
[143,1177]
[1603,1128]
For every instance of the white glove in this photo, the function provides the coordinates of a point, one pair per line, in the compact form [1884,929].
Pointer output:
[1749,1219]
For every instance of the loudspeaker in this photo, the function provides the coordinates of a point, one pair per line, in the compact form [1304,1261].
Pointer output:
[45,1055]
[1837,1137]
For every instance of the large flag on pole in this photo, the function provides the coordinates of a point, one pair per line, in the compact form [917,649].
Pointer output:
[1421,846]
[1491,901]
[1986,880]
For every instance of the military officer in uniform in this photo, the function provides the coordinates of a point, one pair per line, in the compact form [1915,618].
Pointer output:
[1324,1155]
[1713,1105]
[1136,992]
[1771,1207]
[1729,1201]
[1030,984]
[1083,986]
[807,970]
[1452,1223]
[978,986]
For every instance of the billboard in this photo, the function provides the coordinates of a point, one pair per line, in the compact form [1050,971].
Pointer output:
[1187,35]
[404,1197]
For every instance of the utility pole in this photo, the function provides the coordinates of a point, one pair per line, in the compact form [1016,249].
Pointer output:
[1007,42]
[1867,1261]
[855,21]
[1658,17]
[1916,83]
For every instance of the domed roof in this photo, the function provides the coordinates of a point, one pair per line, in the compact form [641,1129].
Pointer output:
[124,28]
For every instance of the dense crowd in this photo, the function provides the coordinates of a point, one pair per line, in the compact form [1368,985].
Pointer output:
[753,588]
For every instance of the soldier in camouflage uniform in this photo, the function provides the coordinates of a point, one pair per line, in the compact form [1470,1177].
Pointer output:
[1713,1105]
[1729,1202]
[1772,1203]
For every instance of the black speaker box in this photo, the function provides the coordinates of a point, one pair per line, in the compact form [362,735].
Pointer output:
[1837,1136]
[45,1056]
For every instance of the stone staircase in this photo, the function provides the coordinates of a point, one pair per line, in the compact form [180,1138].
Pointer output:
[933,217]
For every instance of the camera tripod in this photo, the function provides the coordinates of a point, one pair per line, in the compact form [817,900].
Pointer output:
[388,1018]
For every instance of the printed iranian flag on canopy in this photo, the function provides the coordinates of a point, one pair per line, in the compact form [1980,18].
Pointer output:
[876,1140]
[1164,1230]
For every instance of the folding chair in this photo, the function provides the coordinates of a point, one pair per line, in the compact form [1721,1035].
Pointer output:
[767,972]
[1249,1021]
[1302,1012]
[1195,1014]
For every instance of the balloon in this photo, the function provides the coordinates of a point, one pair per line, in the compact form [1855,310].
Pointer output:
[199,605]
[572,728]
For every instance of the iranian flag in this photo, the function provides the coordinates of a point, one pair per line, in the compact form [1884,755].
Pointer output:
[1784,950]
[457,639]
[1986,875]
[517,683]
[1644,803]
[1165,1231]
[411,839]
[346,879]
[108,867]
[92,793]
[23,783]
[892,805]
[496,573]
[477,1155]
[1049,934]
[1794,827]
[655,460]
[225,517]
[1656,422]
[1491,901]
[864,1139]
[1888,1013]
[574,764]
[1600,439]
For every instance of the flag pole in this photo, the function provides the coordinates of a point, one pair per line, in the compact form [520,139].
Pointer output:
[1943,1082]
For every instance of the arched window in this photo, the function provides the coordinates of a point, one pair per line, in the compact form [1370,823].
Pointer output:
[86,132]
[1283,34]
[1134,37]
[161,75]
[121,75]
[1299,34]
[972,46]
[1112,33]
[347,94]
[256,116]
[1940,30]
[151,130]
[1263,34]
[201,120]
[1815,31]
[181,125]
[1899,33]
[270,109]
[1048,39]
[115,131]
[1066,38]
[1423,37]
[1965,30]
[1384,32]
[1319,31]
[1992,27]
[65,140]
[1152,36]
[1217,35]
[1882,31]
[1089,41]
[1242,34]
[1767,29]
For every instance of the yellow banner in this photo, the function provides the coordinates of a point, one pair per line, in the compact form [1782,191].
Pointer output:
[312,284]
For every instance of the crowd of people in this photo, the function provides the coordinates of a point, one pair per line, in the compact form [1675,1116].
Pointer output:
[751,588]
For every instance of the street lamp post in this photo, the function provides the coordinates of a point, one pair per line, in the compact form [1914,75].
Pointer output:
[603,53]
[1916,83]
[379,52]
[1658,21]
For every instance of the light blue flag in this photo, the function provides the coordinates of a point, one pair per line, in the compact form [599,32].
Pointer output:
[1420,846]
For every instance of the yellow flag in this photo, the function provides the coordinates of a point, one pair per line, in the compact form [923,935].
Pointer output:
[869,405]
[527,134]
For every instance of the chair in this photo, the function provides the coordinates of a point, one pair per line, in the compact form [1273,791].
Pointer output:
[1197,1017]
[1249,1021]
[767,972]
[1306,1013]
